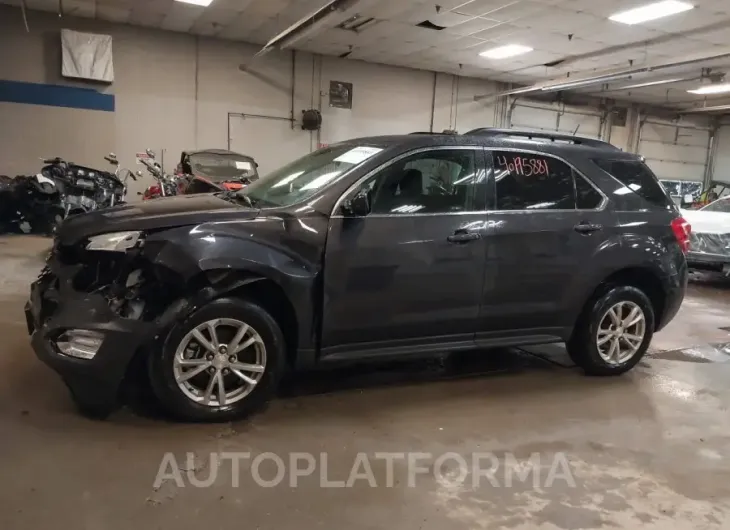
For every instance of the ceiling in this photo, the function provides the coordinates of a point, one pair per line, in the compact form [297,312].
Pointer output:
[576,32]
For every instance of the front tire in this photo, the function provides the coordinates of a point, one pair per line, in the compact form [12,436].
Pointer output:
[221,363]
[613,333]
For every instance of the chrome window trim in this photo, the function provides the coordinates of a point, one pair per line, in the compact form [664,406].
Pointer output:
[601,207]
[392,161]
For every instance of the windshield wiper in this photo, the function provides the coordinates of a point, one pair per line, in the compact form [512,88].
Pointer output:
[233,196]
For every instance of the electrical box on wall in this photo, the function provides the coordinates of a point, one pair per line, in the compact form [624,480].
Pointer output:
[340,95]
[311,120]
[86,56]
[619,117]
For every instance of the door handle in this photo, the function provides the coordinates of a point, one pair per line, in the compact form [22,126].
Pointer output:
[587,228]
[463,237]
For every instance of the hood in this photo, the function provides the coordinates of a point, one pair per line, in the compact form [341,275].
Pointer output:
[707,222]
[166,212]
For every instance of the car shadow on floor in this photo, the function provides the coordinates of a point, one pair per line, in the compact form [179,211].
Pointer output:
[709,282]
[442,367]
[395,373]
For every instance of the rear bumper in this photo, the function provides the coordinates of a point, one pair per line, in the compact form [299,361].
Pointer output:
[54,308]
[675,286]
[705,261]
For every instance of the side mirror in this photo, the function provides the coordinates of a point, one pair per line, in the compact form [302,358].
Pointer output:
[357,206]
[688,199]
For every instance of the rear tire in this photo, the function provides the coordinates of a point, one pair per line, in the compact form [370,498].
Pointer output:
[603,341]
[186,399]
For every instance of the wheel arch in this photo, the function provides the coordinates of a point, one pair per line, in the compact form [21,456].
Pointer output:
[259,288]
[643,278]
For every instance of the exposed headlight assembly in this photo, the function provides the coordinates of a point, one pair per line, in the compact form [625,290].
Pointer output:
[115,241]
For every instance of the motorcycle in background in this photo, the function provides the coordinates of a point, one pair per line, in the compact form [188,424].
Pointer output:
[39,203]
[166,186]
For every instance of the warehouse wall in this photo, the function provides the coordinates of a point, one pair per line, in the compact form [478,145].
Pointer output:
[176,91]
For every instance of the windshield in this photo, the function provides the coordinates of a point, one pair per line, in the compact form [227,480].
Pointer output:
[219,167]
[723,205]
[304,177]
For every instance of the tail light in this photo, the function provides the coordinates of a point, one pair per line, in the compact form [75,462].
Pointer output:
[682,230]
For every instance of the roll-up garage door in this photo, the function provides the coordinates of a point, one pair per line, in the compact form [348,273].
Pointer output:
[675,152]
[566,120]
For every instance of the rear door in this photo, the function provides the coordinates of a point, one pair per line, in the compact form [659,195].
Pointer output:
[411,271]
[545,223]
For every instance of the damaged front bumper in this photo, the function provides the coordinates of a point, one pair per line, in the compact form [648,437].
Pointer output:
[709,252]
[56,307]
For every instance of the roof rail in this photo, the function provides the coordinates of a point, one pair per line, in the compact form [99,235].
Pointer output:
[434,133]
[506,133]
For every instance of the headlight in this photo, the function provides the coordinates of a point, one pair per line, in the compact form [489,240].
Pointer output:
[114,242]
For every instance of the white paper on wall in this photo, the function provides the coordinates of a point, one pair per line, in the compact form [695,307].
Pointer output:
[87,56]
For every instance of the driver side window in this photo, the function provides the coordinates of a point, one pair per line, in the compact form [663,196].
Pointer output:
[436,181]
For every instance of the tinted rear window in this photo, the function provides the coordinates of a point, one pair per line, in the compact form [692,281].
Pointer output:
[638,179]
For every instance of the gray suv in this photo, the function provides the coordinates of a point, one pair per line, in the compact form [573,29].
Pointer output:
[365,249]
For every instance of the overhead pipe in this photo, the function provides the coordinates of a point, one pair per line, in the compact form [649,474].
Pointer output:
[565,84]
[433,101]
[306,25]
[705,109]
[709,161]
[293,84]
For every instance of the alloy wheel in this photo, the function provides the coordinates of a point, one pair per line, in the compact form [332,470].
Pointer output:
[219,362]
[621,332]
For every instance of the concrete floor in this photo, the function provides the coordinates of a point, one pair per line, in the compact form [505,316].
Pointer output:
[649,449]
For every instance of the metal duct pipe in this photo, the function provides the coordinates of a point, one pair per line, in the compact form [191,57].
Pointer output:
[565,84]
[669,37]
[306,25]
[705,109]
[709,161]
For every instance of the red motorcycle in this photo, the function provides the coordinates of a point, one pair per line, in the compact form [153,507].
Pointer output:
[166,185]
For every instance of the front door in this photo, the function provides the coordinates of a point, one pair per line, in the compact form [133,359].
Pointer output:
[411,271]
[545,223]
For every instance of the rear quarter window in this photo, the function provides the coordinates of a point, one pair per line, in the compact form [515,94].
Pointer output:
[637,180]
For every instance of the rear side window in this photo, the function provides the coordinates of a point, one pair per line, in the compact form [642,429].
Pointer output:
[636,178]
[526,181]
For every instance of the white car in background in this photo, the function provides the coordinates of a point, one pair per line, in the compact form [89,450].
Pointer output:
[710,237]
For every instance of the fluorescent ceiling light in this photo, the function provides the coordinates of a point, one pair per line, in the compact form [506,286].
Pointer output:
[651,12]
[204,3]
[711,89]
[503,52]
[653,83]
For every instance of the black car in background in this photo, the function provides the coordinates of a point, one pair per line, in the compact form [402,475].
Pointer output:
[366,249]
[210,170]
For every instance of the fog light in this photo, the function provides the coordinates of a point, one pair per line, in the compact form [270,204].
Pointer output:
[80,343]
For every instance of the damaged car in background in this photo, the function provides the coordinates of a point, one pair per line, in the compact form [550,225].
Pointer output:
[710,238]
[366,249]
